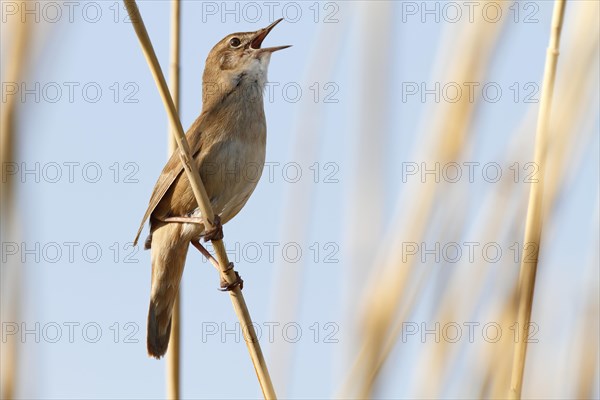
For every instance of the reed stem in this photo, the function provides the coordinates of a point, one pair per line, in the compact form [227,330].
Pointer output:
[173,356]
[533,227]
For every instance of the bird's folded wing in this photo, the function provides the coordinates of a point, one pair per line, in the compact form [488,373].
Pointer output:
[170,172]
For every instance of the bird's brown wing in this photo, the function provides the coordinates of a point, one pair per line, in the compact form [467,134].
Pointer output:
[170,172]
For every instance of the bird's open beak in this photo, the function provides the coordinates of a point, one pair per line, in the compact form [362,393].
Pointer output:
[261,35]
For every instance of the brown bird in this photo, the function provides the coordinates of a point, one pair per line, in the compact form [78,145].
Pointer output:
[228,143]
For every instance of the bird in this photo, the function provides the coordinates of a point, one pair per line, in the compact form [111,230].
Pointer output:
[227,140]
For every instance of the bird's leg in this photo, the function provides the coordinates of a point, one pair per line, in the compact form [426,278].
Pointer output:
[188,220]
[224,285]
[216,232]
[206,253]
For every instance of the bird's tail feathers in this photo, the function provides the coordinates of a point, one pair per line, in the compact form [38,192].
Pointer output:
[169,250]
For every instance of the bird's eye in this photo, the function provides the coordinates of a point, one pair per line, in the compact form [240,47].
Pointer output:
[235,42]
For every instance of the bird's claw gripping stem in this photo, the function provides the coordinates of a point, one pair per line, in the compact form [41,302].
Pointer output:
[216,232]
[226,287]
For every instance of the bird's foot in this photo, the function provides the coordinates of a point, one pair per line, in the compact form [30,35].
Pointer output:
[216,232]
[225,286]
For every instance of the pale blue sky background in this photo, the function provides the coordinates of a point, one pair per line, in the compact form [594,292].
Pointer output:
[107,212]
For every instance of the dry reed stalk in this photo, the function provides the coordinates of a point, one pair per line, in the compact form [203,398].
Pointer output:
[11,290]
[228,275]
[14,71]
[577,101]
[533,227]
[173,355]
[580,344]
[578,90]
[563,157]
[447,135]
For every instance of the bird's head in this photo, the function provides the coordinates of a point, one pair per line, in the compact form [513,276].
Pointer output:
[238,59]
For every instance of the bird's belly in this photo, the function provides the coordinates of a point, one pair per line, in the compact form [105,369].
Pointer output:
[231,174]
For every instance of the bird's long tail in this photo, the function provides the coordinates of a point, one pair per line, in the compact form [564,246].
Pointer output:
[169,250]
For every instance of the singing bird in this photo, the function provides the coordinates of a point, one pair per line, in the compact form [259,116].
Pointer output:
[228,144]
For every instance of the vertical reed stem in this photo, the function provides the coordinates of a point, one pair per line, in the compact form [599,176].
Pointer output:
[533,228]
[173,358]
[12,289]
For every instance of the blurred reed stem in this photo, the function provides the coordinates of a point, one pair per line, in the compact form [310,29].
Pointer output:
[14,66]
[533,227]
[308,135]
[447,134]
[228,275]
[373,122]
